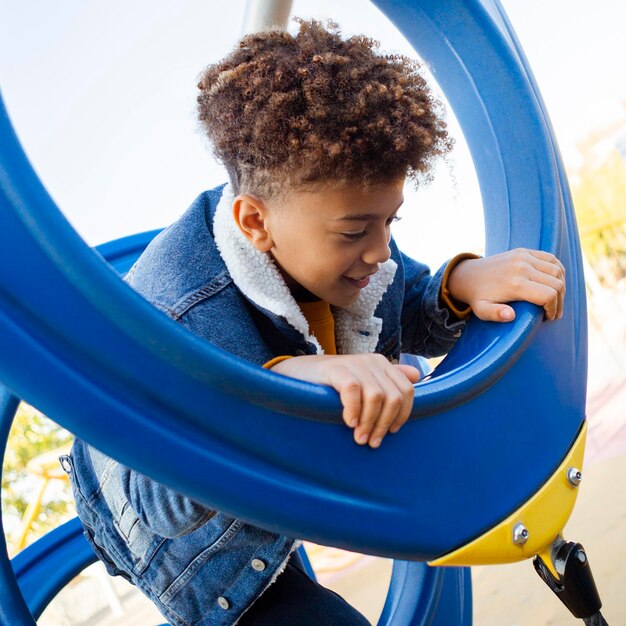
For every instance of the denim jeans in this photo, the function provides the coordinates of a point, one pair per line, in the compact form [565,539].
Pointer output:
[294,598]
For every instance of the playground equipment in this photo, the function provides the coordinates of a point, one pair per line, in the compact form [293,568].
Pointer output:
[484,472]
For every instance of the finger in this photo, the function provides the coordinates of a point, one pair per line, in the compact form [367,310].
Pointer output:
[493,311]
[552,269]
[405,410]
[411,372]
[546,297]
[558,284]
[540,257]
[541,289]
[547,257]
[560,302]
[348,385]
[350,395]
[552,275]
[408,393]
[372,400]
[397,387]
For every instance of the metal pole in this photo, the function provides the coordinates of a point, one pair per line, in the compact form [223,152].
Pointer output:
[266,14]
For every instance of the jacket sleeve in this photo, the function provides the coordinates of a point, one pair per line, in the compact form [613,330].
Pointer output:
[165,511]
[429,328]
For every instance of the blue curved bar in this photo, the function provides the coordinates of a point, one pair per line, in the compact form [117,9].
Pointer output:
[13,608]
[420,595]
[49,564]
[104,352]
[122,253]
[417,594]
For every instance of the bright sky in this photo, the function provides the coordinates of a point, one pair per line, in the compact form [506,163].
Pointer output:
[102,95]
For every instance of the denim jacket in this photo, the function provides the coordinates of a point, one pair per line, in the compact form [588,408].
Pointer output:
[197,565]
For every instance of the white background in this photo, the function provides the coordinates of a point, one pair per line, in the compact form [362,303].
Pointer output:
[102,95]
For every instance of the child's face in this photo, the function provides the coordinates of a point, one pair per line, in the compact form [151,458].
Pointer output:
[331,241]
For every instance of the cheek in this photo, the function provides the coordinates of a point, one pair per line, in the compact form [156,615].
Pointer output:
[323,270]
[337,257]
[322,261]
[348,256]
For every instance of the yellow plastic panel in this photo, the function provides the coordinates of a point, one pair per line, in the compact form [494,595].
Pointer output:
[544,515]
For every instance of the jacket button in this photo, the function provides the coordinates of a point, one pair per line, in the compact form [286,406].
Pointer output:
[223,602]
[258,565]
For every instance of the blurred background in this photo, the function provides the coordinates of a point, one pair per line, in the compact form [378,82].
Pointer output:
[102,96]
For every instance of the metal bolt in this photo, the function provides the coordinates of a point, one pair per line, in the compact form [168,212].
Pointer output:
[520,534]
[574,476]
[581,556]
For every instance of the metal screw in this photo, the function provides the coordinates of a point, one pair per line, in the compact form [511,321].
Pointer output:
[581,556]
[574,476]
[520,534]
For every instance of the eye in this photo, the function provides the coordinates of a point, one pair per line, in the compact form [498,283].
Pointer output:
[354,236]
[361,234]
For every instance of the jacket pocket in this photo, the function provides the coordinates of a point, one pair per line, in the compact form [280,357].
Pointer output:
[103,555]
[89,520]
[112,532]
[140,541]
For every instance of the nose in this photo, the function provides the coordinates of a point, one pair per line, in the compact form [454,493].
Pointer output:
[377,251]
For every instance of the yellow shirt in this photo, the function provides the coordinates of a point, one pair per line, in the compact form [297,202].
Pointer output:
[321,324]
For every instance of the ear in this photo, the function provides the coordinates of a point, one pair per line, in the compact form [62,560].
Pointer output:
[250,215]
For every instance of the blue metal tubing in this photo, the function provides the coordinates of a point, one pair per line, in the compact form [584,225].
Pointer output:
[13,609]
[42,570]
[420,595]
[462,467]
[46,566]
[131,366]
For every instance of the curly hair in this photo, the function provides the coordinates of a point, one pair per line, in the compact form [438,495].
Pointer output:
[287,112]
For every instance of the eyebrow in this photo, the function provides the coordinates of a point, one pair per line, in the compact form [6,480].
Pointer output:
[362,217]
[356,218]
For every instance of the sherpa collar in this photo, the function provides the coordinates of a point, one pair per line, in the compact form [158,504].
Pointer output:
[258,278]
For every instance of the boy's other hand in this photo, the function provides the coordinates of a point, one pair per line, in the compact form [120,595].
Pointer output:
[486,284]
[377,396]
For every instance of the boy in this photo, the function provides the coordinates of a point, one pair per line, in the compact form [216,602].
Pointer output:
[292,267]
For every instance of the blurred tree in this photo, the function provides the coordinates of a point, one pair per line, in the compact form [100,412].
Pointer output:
[30,477]
[599,194]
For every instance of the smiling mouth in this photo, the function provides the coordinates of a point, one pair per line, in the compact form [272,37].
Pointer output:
[359,282]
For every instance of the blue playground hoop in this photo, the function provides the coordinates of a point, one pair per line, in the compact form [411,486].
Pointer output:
[478,446]
[43,569]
